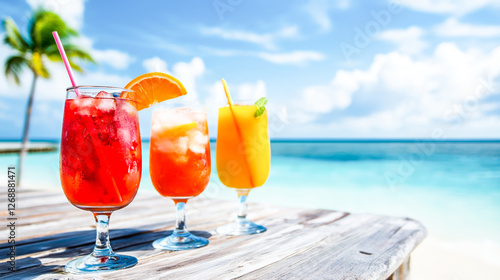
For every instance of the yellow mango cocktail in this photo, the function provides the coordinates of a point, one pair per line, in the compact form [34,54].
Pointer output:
[243,156]
[243,151]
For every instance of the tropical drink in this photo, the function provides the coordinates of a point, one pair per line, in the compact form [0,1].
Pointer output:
[100,152]
[180,153]
[243,156]
[243,152]
[100,164]
[180,165]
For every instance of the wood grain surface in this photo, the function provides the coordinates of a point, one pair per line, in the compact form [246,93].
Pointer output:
[299,243]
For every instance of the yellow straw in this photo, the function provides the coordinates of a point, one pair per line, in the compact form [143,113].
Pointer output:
[228,95]
[230,102]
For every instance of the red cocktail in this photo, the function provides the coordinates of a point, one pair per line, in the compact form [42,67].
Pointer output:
[100,164]
[100,153]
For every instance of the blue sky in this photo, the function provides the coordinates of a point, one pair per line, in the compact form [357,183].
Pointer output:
[331,69]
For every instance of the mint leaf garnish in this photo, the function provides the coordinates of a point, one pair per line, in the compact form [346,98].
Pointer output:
[261,107]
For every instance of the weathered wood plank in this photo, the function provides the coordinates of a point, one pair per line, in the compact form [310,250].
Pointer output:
[299,243]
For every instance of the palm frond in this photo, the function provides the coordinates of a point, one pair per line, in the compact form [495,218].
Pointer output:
[41,27]
[76,67]
[72,51]
[14,65]
[39,47]
[13,37]
[38,66]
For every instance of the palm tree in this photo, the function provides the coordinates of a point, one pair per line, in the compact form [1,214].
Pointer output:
[33,51]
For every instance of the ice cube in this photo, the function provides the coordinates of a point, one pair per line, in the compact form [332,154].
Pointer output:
[106,105]
[168,145]
[104,94]
[124,137]
[155,126]
[128,107]
[123,117]
[169,118]
[84,105]
[181,145]
[199,117]
[197,141]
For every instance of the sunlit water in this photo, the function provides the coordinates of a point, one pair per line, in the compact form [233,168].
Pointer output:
[453,188]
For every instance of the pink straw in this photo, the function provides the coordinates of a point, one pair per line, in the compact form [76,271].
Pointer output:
[65,60]
[90,123]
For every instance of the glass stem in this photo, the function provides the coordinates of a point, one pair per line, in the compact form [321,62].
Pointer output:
[242,207]
[180,221]
[102,246]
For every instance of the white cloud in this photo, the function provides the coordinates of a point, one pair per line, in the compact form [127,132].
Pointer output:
[267,40]
[70,11]
[155,64]
[102,78]
[188,73]
[407,40]
[224,52]
[53,88]
[399,96]
[457,7]
[241,92]
[114,58]
[318,11]
[295,57]
[159,41]
[252,92]
[453,28]
[337,95]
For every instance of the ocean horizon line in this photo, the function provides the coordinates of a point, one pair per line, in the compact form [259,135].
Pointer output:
[320,140]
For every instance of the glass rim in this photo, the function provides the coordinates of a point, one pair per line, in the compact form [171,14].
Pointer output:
[96,87]
[177,104]
[238,102]
[89,92]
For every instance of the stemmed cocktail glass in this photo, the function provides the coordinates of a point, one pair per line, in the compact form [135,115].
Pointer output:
[100,164]
[179,165]
[243,158]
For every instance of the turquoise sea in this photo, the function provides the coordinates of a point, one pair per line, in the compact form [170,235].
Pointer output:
[453,188]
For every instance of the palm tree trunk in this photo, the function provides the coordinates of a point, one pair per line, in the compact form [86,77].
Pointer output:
[24,148]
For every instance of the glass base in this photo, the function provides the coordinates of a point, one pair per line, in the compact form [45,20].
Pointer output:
[178,242]
[241,227]
[91,264]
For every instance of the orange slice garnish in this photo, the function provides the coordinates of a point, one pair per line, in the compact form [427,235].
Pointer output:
[152,88]
[177,131]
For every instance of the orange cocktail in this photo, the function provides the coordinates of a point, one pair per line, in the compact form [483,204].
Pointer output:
[179,165]
[179,162]
[243,152]
[243,157]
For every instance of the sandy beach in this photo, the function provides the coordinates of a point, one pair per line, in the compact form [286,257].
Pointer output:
[438,259]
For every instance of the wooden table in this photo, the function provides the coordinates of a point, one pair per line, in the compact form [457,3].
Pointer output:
[299,243]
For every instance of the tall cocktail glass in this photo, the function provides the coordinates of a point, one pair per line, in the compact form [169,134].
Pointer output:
[179,165]
[243,158]
[100,164]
